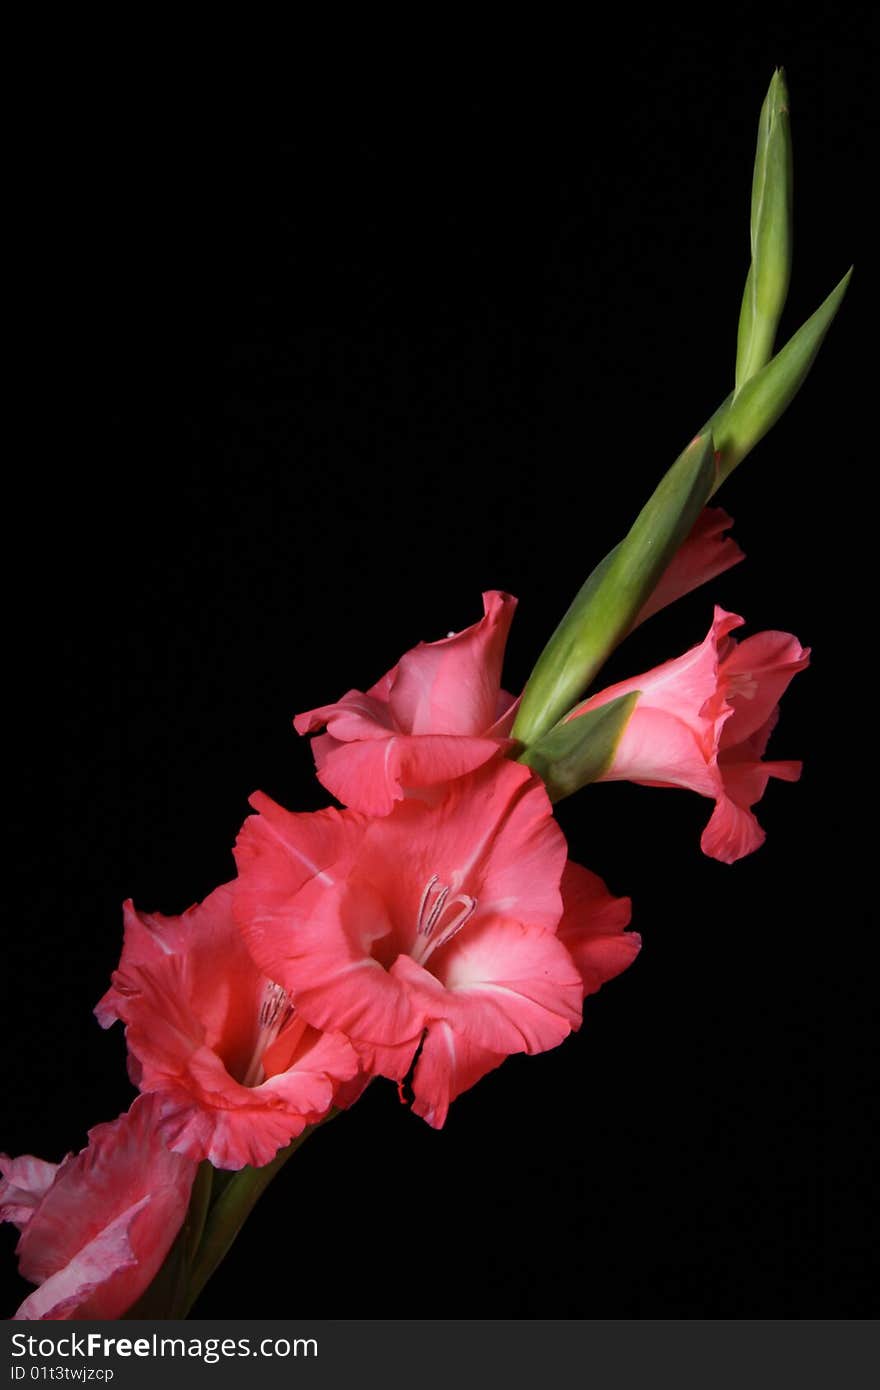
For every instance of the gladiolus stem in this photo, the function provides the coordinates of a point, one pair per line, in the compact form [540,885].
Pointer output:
[229,1212]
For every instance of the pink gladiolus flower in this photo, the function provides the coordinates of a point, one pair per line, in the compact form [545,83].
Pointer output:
[96,1228]
[433,927]
[438,714]
[239,1073]
[703,721]
[705,554]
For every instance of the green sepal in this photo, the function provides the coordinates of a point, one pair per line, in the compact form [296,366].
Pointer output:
[746,416]
[611,599]
[769,274]
[578,751]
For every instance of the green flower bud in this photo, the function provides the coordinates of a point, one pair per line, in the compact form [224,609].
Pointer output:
[771,235]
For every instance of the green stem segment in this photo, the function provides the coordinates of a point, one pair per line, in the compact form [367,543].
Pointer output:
[226,1216]
[609,602]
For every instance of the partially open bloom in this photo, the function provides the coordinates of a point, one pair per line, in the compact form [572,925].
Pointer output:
[96,1228]
[702,721]
[431,930]
[438,714]
[238,1071]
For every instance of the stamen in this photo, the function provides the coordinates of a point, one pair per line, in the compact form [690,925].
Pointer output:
[434,905]
[420,922]
[468,908]
[275,1011]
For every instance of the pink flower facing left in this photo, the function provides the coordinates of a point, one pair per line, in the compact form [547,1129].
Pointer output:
[703,720]
[96,1228]
[430,930]
[438,714]
[238,1073]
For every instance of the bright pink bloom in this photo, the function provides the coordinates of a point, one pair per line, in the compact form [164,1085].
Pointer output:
[705,554]
[239,1072]
[703,720]
[438,714]
[432,925]
[94,1232]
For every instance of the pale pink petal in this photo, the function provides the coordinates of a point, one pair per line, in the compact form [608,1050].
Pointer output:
[451,686]
[705,554]
[593,927]
[24,1183]
[105,1225]
[99,1275]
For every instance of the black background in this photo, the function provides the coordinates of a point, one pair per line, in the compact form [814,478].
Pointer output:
[300,377]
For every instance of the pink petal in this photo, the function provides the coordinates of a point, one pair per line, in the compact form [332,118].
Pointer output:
[493,829]
[684,686]
[659,749]
[732,832]
[451,686]
[315,940]
[757,672]
[106,1224]
[23,1185]
[593,927]
[506,988]
[372,775]
[705,554]
[355,716]
[448,1064]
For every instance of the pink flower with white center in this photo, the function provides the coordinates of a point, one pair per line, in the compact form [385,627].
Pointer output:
[702,721]
[96,1228]
[238,1071]
[439,714]
[430,930]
